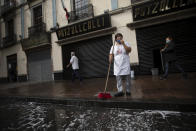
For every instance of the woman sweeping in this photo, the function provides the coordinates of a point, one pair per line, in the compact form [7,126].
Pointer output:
[121,64]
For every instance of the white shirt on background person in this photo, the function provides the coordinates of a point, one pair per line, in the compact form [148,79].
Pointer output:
[74,62]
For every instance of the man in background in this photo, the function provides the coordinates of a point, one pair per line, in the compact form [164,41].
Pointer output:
[75,67]
[170,58]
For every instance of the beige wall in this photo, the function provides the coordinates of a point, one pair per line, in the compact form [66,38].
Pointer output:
[47,14]
[17,23]
[56,54]
[100,5]
[61,19]
[27,20]
[123,3]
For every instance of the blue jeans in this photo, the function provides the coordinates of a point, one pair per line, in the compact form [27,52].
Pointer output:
[75,74]
[177,66]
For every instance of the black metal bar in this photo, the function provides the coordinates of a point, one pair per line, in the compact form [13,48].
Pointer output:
[9,5]
[81,13]
[37,29]
[9,40]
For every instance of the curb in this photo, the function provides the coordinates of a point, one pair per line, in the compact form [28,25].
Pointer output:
[133,104]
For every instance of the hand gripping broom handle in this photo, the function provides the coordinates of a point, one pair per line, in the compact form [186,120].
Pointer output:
[106,83]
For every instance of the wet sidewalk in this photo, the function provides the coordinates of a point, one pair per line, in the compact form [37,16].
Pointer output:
[144,88]
[62,105]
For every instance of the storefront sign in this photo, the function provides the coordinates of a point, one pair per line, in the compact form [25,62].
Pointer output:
[96,23]
[160,7]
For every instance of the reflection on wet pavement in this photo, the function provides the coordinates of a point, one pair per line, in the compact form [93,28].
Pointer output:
[32,116]
[143,88]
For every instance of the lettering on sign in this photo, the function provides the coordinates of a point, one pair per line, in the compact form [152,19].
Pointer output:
[94,24]
[159,7]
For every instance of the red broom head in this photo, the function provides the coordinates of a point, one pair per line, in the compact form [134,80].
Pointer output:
[104,95]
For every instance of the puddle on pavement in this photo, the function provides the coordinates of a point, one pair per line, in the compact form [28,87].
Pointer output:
[32,116]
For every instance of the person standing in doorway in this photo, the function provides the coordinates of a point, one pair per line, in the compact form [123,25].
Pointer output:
[75,67]
[120,53]
[170,58]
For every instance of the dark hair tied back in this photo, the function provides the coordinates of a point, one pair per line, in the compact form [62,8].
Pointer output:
[117,35]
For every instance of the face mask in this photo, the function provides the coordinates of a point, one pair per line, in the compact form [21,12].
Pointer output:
[118,41]
[167,41]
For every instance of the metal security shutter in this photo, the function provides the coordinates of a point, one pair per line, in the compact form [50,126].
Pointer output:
[39,66]
[93,56]
[184,33]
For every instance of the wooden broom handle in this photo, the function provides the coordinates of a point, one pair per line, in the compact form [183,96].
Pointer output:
[106,83]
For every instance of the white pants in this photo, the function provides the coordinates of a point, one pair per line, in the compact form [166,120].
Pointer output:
[127,81]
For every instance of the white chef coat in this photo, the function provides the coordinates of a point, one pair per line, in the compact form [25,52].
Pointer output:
[121,59]
[74,62]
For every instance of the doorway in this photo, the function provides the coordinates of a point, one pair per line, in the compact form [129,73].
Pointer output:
[158,60]
[67,72]
[12,68]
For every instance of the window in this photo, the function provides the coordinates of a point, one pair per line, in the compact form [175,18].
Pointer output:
[114,4]
[81,8]
[6,2]
[37,15]
[9,2]
[10,28]
[10,37]
[80,3]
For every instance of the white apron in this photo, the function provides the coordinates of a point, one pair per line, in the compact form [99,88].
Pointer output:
[121,60]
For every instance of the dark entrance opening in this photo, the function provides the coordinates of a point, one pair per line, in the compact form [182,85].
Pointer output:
[157,60]
[184,34]
[12,68]
[67,72]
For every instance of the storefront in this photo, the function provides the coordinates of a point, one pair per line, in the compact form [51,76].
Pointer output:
[154,21]
[91,40]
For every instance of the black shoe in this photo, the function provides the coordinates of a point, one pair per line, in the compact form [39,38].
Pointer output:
[119,94]
[128,93]
[163,78]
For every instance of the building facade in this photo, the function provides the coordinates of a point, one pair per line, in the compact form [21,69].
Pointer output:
[37,37]
[153,21]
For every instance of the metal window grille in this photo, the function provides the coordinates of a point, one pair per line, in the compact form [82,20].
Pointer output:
[37,15]
[81,9]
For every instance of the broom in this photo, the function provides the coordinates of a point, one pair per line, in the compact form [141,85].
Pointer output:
[105,95]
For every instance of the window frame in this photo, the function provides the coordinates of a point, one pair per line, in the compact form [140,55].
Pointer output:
[7,27]
[78,4]
[32,13]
